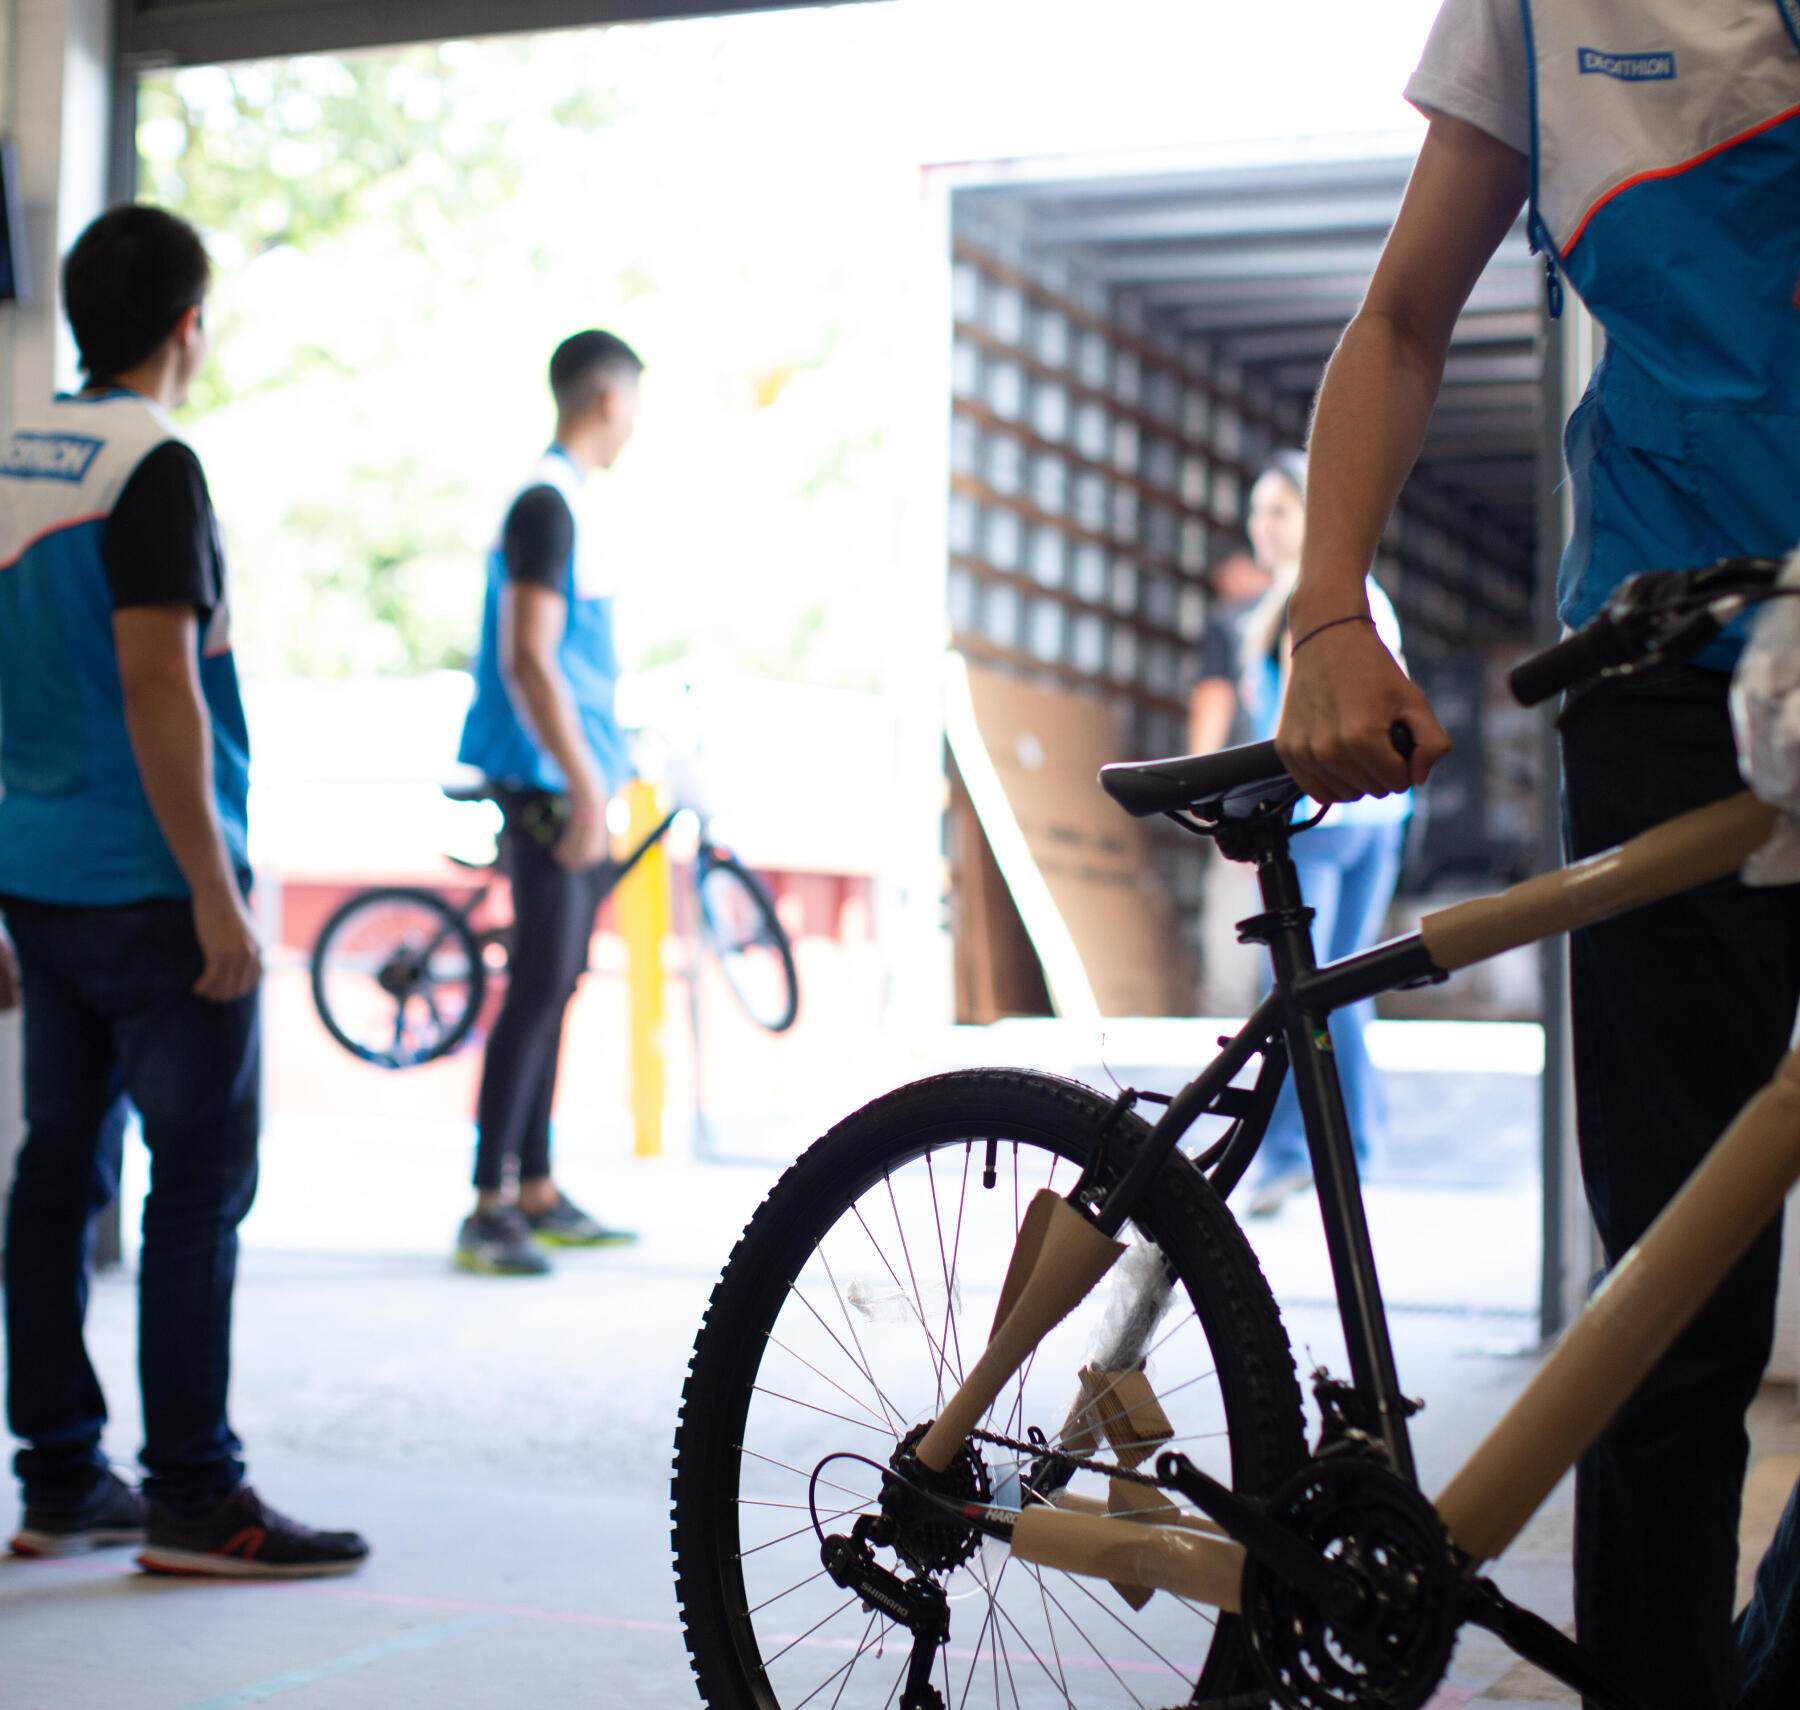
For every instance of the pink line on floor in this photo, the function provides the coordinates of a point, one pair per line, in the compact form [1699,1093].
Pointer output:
[1450,1697]
[452,1605]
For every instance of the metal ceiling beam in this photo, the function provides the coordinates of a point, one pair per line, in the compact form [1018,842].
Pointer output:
[1222,302]
[1194,218]
[1305,178]
[1203,263]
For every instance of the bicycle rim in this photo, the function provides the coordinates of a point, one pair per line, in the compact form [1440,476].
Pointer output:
[862,1290]
[397,977]
[742,929]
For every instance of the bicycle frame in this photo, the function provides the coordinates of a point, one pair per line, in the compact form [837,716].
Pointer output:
[1064,1248]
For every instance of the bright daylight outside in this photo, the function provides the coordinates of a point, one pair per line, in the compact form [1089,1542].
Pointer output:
[976,340]
[764,208]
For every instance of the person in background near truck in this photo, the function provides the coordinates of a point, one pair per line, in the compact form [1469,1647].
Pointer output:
[542,730]
[123,878]
[1348,862]
[1217,718]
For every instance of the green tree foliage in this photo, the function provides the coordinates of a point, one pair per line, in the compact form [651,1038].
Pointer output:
[295,152]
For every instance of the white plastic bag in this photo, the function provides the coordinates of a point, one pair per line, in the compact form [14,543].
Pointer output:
[1765,718]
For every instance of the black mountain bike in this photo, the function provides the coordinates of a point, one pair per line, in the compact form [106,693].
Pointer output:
[992,1402]
[399,972]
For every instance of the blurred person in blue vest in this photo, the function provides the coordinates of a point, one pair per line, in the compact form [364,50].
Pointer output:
[1655,152]
[1348,863]
[543,732]
[123,879]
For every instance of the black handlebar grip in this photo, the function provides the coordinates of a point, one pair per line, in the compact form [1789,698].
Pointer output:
[1401,736]
[1576,658]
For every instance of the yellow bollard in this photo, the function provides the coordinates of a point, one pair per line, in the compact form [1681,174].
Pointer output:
[642,908]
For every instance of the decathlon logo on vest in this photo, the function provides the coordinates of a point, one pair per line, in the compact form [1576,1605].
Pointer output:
[51,456]
[1627,67]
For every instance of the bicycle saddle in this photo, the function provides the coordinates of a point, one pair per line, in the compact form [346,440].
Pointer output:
[1210,785]
[472,790]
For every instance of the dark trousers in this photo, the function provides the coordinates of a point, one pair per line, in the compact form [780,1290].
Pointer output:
[553,920]
[110,1015]
[1681,1012]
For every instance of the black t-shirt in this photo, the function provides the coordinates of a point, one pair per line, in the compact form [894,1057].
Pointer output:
[537,538]
[161,544]
[1220,655]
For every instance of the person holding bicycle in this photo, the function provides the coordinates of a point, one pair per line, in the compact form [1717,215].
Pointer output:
[124,878]
[1658,153]
[543,732]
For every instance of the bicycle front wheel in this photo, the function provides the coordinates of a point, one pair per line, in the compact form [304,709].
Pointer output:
[859,1295]
[739,925]
[397,977]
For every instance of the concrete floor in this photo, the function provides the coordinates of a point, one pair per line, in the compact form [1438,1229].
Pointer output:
[505,1445]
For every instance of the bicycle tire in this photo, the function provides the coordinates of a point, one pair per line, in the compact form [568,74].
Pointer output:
[469,969]
[738,923]
[727,1469]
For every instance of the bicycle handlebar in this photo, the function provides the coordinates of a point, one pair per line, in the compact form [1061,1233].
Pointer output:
[1652,618]
[1598,647]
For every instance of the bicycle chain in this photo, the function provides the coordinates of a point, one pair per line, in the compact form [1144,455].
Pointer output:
[1038,1451]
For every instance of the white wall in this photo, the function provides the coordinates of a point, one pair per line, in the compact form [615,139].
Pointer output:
[54,58]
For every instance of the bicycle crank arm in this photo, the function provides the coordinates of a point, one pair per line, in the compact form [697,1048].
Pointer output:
[1533,1638]
[1266,1539]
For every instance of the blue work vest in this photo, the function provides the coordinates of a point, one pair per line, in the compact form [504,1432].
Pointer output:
[1665,186]
[494,737]
[75,825]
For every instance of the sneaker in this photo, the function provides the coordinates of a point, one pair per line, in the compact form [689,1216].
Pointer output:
[1271,1195]
[499,1244]
[244,1538]
[114,1514]
[565,1224]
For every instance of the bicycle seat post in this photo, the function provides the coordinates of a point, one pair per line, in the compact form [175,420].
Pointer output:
[1285,927]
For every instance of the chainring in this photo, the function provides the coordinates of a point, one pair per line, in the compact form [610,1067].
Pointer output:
[1381,1530]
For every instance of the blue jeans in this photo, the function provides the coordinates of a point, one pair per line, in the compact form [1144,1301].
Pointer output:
[110,1015]
[1681,1012]
[1347,876]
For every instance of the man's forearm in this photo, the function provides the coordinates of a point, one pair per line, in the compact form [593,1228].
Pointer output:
[171,737]
[542,698]
[1370,421]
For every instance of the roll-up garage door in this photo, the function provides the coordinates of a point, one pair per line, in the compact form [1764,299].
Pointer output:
[155,33]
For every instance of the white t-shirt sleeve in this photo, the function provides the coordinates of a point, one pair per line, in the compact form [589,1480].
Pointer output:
[1474,69]
[1386,619]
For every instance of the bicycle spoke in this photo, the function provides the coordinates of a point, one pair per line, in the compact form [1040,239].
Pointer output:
[919,1293]
[1098,1655]
[798,1531]
[854,1401]
[865,1365]
[843,1669]
[798,1585]
[1113,1614]
[824,1483]
[948,1261]
[1057,1680]
[937,1353]
[810,1630]
[795,1401]
[975,1660]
